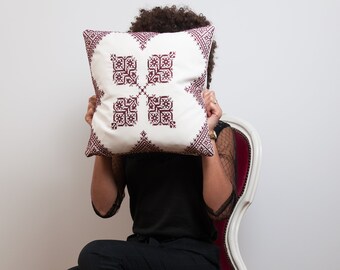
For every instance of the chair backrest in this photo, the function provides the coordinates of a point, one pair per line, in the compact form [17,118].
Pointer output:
[248,160]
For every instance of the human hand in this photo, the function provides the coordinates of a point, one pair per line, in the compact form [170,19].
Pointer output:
[91,108]
[214,111]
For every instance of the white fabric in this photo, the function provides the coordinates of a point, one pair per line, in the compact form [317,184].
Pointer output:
[188,112]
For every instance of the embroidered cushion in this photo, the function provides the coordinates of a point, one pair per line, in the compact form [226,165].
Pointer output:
[148,88]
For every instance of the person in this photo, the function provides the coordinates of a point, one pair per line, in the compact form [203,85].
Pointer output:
[174,198]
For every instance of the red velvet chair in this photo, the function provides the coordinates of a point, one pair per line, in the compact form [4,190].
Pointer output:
[248,159]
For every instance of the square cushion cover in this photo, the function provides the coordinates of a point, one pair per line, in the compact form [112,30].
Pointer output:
[149,91]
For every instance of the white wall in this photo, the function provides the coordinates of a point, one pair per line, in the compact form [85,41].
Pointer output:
[278,68]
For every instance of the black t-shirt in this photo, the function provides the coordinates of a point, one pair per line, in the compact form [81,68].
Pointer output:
[166,196]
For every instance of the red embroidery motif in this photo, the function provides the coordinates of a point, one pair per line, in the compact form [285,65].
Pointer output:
[125,112]
[142,38]
[124,70]
[92,38]
[95,147]
[196,88]
[160,109]
[201,143]
[145,145]
[99,92]
[160,68]
[203,37]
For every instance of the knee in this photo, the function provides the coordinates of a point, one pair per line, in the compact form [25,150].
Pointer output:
[89,257]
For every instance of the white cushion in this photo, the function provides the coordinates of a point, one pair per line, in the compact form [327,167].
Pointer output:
[148,88]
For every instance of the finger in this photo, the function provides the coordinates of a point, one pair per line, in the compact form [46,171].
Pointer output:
[93,100]
[90,109]
[207,97]
[211,96]
[204,93]
[213,108]
[213,100]
[91,105]
[90,113]
[88,119]
[210,92]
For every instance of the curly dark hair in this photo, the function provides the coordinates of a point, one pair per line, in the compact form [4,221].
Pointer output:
[173,19]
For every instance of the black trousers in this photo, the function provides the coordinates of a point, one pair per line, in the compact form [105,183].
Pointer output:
[144,253]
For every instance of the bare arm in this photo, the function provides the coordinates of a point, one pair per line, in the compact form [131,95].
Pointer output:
[107,187]
[219,176]
[218,170]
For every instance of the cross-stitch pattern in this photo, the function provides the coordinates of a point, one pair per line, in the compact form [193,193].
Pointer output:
[145,145]
[125,112]
[160,68]
[160,109]
[94,146]
[124,70]
[148,88]
[143,38]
